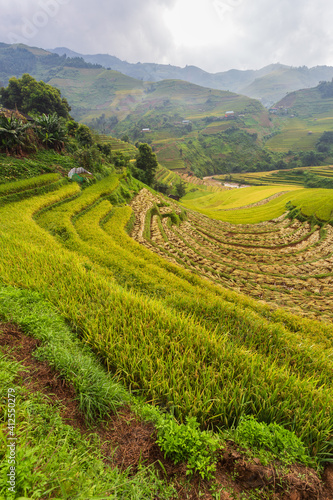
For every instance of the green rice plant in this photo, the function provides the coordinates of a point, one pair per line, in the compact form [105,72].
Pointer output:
[22,185]
[28,193]
[133,375]
[309,200]
[97,393]
[314,360]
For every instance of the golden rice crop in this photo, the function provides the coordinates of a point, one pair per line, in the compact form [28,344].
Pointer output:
[174,336]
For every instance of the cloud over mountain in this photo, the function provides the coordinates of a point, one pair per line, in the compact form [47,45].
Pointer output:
[213,34]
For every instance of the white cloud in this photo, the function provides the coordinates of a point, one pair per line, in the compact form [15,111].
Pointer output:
[213,34]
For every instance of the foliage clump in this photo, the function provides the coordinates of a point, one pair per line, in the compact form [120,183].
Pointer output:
[14,133]
[271,439]
[145,165]
[186,442]
[29,96]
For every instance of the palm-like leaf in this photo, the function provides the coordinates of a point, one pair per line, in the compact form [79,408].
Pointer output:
[13,132]
[51,131]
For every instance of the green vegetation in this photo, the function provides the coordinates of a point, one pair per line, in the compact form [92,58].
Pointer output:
[30,96]
[145,165]
[217,205]
[285,261]
[316,177]
[305,117]
[13,133]
[271,441]
[147,309]
[97,394]
[166,325]
[54,459]
[186,442]
[17,59]
[51,131]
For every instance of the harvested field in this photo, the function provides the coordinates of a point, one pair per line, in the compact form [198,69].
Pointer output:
[284,262]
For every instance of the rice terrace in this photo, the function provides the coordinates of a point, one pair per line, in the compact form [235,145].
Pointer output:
[157,348]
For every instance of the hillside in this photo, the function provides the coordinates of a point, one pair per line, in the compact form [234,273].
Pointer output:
[128,266]
[268,84]
[17,59]
[155,349]
[281,80]
[304,116]
[294,176]
[186,124]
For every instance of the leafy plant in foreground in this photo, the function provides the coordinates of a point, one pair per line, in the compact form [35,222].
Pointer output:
[187,442]
[51,131]
[280,442]
[13,133]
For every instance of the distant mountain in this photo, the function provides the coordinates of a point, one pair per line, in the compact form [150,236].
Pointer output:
[233,80]
[17,59]
[282,80]
[187,125]
[269,84]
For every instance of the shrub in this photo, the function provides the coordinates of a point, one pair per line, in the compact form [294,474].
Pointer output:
[187,442]
[279,441]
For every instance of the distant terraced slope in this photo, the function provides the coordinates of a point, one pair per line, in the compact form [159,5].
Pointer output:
[284,262]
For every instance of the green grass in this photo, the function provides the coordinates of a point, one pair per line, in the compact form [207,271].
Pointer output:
[53,460]
[97,394]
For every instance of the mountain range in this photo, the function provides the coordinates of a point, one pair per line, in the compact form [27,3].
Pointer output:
[268,84]
[189,123]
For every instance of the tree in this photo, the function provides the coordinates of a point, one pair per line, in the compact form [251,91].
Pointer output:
[72,127]
[83,136]
[181,189]
[146,164]
[30,96]
[120,160]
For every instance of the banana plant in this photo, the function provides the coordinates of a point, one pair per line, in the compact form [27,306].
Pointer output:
[13,133]
[51,131]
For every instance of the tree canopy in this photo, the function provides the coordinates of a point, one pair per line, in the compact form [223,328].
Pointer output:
[146,164]
[30,96]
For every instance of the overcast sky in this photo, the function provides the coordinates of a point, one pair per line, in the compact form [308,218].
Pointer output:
[215,35]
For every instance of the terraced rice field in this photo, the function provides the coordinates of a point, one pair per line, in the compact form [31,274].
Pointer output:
[284,262]
[172,332]
[166,176]
[290,176]
[264,199]
[119,146]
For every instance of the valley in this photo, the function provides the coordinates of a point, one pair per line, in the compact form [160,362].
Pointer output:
[186,341]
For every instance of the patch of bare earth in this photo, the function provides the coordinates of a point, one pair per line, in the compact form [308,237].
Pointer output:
[128,442]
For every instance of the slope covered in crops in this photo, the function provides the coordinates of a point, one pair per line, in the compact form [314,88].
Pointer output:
[187,343]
